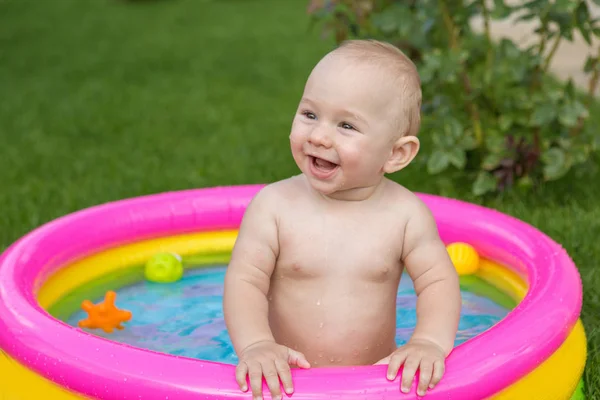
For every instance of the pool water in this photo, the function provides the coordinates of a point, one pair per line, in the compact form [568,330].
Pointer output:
[186,318]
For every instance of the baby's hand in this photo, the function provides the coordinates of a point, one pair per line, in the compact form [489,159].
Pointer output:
[424,355]
[272,361]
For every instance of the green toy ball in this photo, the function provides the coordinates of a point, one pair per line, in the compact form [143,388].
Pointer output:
[164,268]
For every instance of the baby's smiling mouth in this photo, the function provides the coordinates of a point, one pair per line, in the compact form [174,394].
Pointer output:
[322,164]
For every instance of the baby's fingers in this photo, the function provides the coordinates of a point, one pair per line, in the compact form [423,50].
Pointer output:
[408,374]
[425,372]
[255,374]
[285,374]
[297,358]
[438,372]
[240,375]
[395,362]
[272,377]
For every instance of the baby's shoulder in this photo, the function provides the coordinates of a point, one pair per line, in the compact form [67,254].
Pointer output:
[404,200]
[277,194]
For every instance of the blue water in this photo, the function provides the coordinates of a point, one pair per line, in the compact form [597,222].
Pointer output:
[186,318]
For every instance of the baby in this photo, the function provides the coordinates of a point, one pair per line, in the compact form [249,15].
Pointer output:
[315,269]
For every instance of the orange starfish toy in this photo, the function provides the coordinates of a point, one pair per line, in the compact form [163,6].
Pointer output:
[105,315]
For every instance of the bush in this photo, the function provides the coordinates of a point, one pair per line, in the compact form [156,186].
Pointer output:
[493,111]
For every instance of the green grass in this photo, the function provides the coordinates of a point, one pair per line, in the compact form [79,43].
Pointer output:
[107,99]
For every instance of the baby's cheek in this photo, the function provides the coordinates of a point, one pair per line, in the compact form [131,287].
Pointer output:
[355,156]
[298,135]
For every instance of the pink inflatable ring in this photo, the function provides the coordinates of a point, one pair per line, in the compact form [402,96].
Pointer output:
[86,365]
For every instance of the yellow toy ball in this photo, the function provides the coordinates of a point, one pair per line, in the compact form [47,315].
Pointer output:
[464,257]
[164,268]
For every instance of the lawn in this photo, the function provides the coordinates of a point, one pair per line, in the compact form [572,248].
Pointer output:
[107,99]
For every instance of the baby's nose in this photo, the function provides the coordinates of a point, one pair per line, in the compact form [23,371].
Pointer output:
[321,136]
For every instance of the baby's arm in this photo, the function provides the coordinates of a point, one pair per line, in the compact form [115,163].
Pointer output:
[245,304]
[438,303]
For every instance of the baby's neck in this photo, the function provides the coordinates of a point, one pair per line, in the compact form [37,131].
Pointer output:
[355,194]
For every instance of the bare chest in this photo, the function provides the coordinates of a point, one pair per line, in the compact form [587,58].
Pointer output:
[350,247]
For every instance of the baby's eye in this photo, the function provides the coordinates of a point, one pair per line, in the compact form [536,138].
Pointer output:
[347,126]
[309,115]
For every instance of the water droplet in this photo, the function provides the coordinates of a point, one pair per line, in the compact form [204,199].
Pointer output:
[319,302]
[320,355]
[331,359]
[321,325]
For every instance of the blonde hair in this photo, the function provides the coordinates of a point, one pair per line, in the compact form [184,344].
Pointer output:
[404,76]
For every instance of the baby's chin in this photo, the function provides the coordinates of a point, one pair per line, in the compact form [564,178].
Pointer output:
[323,187]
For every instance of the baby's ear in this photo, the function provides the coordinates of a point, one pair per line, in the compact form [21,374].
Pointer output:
[402,153]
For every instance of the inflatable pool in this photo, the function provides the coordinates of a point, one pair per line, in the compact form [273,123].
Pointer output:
[537,351]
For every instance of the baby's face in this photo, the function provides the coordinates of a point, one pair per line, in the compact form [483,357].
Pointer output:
[343,130]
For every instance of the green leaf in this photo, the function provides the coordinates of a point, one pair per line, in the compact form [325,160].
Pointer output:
[563,19]
[468,141]
[591,62]
[491,161]
[457,157]
[431,65]
[437,139]
[567,33]
[495,143]
[580,154]
[570,112]
[535,5]
[501,10]
[442,141]
[552,93]
[569,89]
[505,122]
[438,161]
[509,49]
[555,161]
[396,18]
[449,65]
[453,128]
[543,114]
[526,17]
[582,20]
[564,6]
[484,183]
[525,182]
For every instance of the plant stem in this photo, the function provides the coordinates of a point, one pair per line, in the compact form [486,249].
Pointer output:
[592,84]
[552,52]
[454,45]
[542,47]
[488,36]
